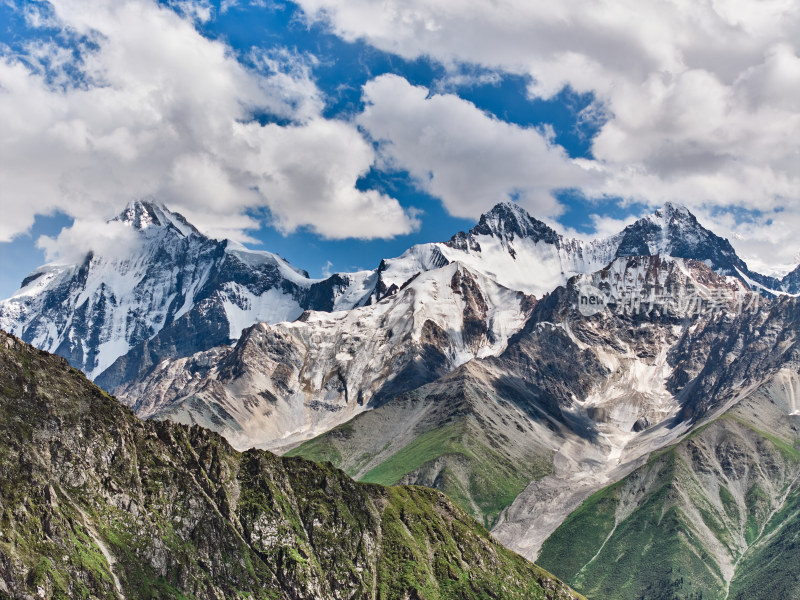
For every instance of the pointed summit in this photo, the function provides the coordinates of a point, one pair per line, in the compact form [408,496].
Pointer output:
[509,220]
[118,314]
[791,281]
[506,221]
[673,230]
[674,209]
[140,214]
[145,214]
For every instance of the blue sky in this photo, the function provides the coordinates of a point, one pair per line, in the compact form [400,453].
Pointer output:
[336,134]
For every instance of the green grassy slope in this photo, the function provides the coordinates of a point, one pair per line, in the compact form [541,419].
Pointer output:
[695,517]
[476,450]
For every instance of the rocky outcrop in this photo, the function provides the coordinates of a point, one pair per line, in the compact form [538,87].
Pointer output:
[169,291]
[175,292]
[579,398]
[674,231]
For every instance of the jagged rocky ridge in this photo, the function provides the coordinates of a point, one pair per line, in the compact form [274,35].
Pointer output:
[95,503]
[674,231]
[325,388]
[523,253]
[284,383]
[714,516]
[178,292]
[574,402]
[713,363]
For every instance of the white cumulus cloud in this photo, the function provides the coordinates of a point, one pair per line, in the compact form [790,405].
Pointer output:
[701,99]
[109,239]
[160,111]
[466,157]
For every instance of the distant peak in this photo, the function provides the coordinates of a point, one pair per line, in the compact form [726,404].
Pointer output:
[507,212]
[141,214]
[673,230]
[674,209]
[509,208]
[508,220]
[145,214]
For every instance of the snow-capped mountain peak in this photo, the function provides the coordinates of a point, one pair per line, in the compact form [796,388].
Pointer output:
[673,208]
[674,231]
[508,221]
[523,253]
[669,229]
[179,292]
[147,214]
[174,292]
[286,382]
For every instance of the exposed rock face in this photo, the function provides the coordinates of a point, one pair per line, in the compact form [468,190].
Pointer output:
[524,253]
[629,351]
[96,503]
[674,231]
[456,434]
[674,359]
[791,282]
[324,387]
[575,402]
[518,424]
[506,222]
[178,292]
[284,383]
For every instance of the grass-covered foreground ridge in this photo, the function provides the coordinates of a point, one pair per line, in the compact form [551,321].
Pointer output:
[95,503]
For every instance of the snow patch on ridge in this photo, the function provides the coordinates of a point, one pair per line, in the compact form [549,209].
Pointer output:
[243,308]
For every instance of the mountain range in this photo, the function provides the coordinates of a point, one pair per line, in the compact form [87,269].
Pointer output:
[178,292]
[635,396]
